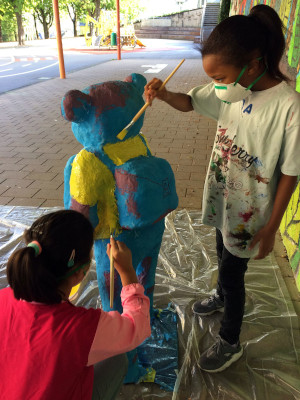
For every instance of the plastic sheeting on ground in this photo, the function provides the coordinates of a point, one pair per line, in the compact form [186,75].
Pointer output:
[187,270]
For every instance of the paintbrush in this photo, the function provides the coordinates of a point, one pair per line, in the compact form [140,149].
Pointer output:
[112,277]
[124,132]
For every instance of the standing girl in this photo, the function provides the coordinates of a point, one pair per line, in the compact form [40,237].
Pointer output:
[255,159]
[50,348]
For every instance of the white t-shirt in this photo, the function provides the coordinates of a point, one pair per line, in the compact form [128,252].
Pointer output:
[256,139]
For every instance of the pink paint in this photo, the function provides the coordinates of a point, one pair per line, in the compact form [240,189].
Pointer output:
[132,206]
[162,216]
[108,96]
[259,179]
[291,119]
[72,100]
[149,290]
[246,216]
[134,360]
[128,79]
[83,209]
[107,281]
[126,182]
[222,131]
[146,264]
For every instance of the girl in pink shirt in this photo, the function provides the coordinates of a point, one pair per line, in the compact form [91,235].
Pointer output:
[50,348]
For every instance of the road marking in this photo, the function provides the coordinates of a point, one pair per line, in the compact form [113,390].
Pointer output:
[44,77]
[25,65]
[29,72]
[10,62]
[154,68]
[9,69]
[35,59]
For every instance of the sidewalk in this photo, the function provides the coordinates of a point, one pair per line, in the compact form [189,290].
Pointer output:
[36,141]
[68,42]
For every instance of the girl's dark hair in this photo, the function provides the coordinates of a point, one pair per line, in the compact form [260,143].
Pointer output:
[37,278]
[239,38]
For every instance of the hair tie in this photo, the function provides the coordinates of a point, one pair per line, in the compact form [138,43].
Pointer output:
[36,246]
[71,259]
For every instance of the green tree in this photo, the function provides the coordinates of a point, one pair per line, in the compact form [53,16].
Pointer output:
[224,10]
[76,9]
[43,11]
[9,28]
[1,18]
[11,8]
[131,8]
[95,8]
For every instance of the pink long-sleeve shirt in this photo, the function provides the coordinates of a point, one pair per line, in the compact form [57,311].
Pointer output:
[48,351]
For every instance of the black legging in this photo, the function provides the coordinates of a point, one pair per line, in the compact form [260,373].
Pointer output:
[231,289]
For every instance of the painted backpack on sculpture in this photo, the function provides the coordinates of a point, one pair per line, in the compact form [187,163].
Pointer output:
[118,185]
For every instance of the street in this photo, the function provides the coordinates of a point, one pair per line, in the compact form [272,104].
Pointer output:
[38,60]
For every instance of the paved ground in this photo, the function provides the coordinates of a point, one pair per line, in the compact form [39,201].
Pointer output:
[36,141]
[37,61]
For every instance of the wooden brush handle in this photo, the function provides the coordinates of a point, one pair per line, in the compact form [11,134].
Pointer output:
[112,279]
[137,116]
[171,74]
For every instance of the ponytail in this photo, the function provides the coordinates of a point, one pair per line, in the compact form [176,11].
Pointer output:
[269,20]
[30,280]
[239,38]
[36,272]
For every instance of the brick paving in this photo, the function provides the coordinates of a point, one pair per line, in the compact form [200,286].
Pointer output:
[36,141]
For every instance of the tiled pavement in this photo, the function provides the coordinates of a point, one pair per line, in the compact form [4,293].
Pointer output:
[36,142]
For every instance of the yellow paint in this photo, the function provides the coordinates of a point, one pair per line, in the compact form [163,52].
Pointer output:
[74,290]
[121,152]
[150,375]
[284,11]
[92,183]
[240,227]
[159,311]
[290,232]
[146,141]
[122,134]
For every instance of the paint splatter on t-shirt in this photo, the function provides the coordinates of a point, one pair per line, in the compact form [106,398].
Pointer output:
[257,139]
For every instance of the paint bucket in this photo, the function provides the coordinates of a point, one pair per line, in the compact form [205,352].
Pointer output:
[113,39]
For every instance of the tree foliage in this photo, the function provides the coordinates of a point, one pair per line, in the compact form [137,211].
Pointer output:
[11,12]
[43,11]
[77,10]
[131,8]
[224,10]
[16,7]
[8,23]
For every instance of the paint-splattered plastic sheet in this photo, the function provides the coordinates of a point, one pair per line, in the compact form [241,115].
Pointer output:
[186,271]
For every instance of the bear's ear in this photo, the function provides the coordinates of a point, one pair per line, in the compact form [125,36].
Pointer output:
[138,80]
[75,106]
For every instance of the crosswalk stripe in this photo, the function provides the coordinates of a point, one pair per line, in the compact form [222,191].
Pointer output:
[35,59]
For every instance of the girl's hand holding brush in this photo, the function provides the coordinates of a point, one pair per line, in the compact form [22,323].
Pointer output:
[152,91]
[122,261]
[180,101]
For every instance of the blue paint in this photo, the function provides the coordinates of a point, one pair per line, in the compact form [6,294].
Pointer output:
[98,114]
[248,109]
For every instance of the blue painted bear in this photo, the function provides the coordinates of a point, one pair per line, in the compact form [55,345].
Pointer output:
[119,185]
